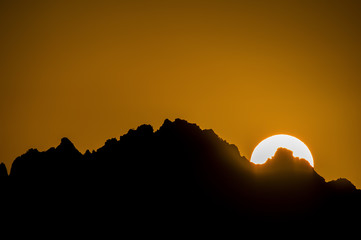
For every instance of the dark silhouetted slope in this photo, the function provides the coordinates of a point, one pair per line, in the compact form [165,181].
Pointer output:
[290,185]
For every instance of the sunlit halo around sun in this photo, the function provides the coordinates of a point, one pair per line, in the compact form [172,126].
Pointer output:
[268,147]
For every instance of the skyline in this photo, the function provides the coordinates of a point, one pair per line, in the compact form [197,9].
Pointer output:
[91,70]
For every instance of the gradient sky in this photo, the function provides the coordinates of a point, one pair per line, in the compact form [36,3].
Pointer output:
[91,70]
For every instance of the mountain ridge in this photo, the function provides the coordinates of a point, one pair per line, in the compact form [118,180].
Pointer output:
[145,129]
[168,126]
[182,165]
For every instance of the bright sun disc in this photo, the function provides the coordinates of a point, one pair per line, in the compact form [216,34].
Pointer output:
[268,147]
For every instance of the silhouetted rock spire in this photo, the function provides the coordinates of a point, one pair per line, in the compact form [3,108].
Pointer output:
[3,170]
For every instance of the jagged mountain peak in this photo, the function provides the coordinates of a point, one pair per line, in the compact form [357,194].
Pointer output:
[284,160]
[65,143]
[67,147]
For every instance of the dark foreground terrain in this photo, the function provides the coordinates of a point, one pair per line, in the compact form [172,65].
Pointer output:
[178,176]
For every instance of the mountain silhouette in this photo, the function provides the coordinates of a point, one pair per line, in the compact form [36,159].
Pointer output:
[283,169]
[180,173]
[284,161]
[55,162]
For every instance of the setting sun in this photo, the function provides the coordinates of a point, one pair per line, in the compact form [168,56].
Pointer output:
[267,148]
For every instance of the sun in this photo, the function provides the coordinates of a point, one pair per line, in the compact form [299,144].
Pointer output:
[268,147]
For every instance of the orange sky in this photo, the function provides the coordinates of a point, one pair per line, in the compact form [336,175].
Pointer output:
[90,70]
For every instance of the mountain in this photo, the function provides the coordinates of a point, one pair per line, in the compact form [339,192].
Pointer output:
[180,173]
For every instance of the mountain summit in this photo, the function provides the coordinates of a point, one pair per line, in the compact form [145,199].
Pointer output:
[67,149]
[65,143]
[284,161]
